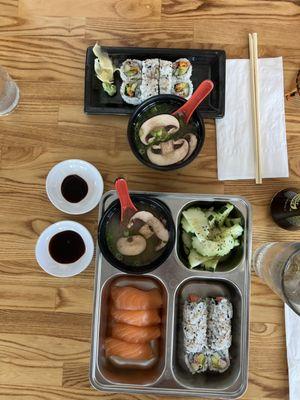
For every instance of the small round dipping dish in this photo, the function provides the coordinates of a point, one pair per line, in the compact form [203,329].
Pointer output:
[142,203]
[164,104]
[48,263]
[77,175]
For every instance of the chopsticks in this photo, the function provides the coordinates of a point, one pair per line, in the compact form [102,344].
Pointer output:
[253,50]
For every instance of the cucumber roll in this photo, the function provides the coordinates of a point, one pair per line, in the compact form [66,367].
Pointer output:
[182,69]
[183,89]
[196,362]
[218,361]
[131,92]
[131,69]
[219,323]
[165,77]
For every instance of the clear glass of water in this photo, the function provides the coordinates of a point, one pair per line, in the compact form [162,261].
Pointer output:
[9,93]
[278,264]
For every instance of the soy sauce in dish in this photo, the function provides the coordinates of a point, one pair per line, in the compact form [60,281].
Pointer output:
[66,247]
[74,188]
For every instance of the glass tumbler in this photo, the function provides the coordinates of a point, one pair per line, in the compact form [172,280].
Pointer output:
[278,264]
[9,93]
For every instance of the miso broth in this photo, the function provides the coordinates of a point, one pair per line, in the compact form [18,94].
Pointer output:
[116,230]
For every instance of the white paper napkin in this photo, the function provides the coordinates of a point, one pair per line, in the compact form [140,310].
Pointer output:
[292,330]
[235,143]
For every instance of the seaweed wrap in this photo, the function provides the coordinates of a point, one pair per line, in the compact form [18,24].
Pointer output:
[131,69]
[183,89]
[197,362]
[131,92]
[182,69]
[219,323]
[218,361]
[165,77]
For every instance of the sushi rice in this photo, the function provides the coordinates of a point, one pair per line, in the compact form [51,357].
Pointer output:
[150,69]
[165,77]
[219,323]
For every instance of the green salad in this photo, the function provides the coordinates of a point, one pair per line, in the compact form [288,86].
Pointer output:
[209,236]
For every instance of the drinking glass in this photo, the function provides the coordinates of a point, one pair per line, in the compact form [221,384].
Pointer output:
[9,93]
[278,264]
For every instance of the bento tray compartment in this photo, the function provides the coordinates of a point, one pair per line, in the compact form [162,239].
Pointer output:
[234,258]
[208,380]
[119,371]
[207,64]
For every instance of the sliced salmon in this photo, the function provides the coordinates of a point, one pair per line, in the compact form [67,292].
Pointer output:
[135,334]
[131,298]
[136,317]
[129,351]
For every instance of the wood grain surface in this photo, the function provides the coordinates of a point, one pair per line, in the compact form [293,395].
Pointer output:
[45,321]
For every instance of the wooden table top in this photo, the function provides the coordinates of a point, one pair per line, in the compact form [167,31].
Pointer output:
[45,321]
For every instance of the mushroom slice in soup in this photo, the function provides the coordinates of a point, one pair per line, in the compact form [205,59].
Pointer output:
[154,223]
[192,141]
[168,153]
[158,128]
[131,245]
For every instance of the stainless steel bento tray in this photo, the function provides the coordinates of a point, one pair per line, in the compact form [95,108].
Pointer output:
[169,376]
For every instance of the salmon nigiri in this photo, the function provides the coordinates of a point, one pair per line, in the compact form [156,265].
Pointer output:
[136,317]
[131,298]
[135,334]
[129,351]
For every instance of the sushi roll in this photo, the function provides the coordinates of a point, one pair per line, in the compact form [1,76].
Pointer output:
[194,324]
[218,361]
[183,89]
[197,362]
[219,323]
[165,77]
[150,69]
[131,69]
[149,88]
[182,69]
[131,92]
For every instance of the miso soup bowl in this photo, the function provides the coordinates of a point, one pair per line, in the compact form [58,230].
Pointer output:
[160,209]
[139,115]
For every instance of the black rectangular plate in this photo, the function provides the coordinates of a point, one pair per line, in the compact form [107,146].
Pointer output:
[207,64]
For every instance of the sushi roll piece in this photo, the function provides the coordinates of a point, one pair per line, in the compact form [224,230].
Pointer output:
[219,323]
[165,77]
[149,88]
[197,362]
[182,69]
[183,89]
[131,69]
[131,92]
[194,325]
[218,361]
[150,69]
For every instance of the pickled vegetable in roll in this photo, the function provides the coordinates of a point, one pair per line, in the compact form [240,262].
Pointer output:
[197,362]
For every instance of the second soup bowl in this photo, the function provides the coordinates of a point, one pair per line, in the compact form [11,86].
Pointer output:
[111,229]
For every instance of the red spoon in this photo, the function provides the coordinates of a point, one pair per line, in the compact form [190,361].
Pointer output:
[198,96]
[127,206]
